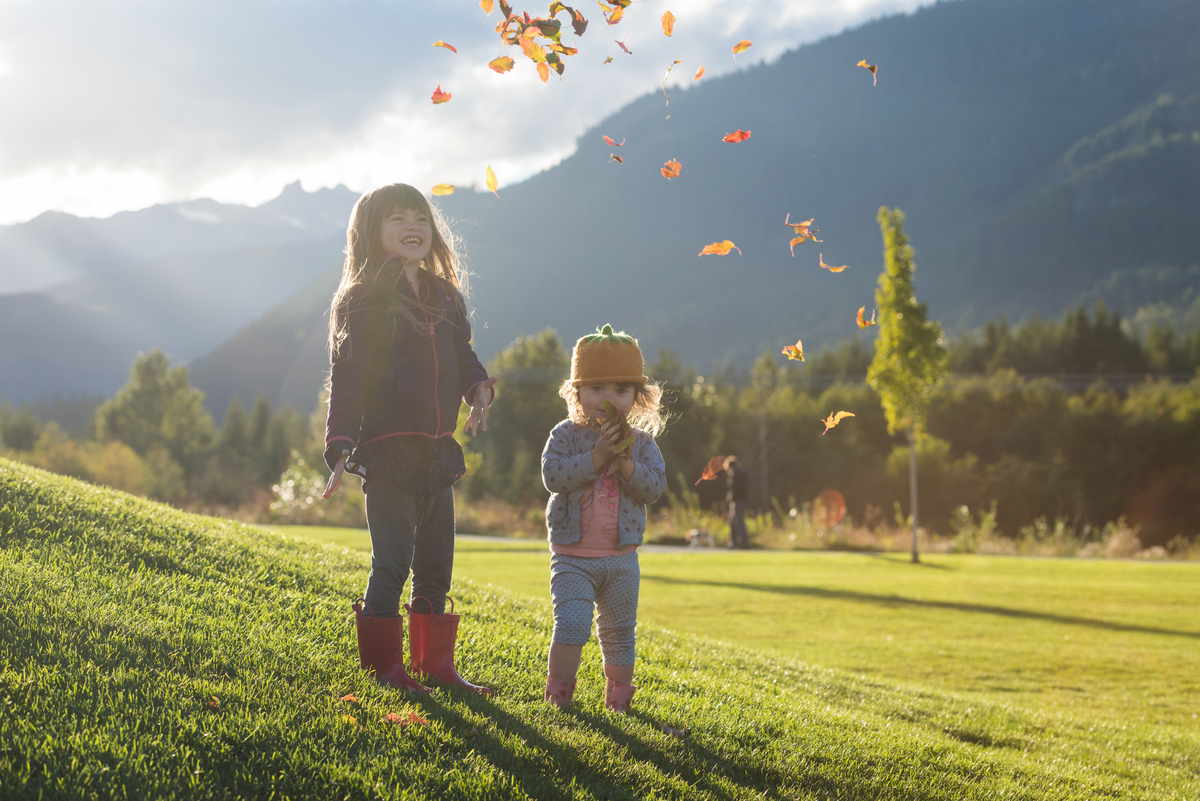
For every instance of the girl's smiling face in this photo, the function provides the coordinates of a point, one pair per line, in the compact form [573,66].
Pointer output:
[406,233]
[592,397]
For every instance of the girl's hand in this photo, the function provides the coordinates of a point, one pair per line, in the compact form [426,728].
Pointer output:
[605,449]
[478,416]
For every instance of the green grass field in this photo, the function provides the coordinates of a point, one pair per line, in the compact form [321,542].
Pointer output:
[145,652]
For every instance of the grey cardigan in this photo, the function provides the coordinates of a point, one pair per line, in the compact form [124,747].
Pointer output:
[567,471]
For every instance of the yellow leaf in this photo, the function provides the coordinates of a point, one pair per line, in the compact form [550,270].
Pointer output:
[491,181]
[443,189]
[741,47]
[829,267]
[668,23]
[487,6]
[502,64]
[719,249]
[794,352]
[833,419]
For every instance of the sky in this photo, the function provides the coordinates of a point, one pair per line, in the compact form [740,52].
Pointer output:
[127,103]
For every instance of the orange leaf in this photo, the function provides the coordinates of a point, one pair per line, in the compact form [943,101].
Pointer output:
[443,189]
[671,169]
[668,23]
[534,51]
[487,6]
[719,249]
[439,96]
[874,68]
[621,43]
[616,158]
[501,65]
[413,717]
[865,323]
[794,352]
[611,142]
[350,698]
[609,59]
[712,469]
[829,267]
[440,43]
[667,75]
[543,71]
[737,136]
[491,181]
[213,705]
[349,720]
[833,419]
[699,73]
[614,16]
[741,47]
[804,230]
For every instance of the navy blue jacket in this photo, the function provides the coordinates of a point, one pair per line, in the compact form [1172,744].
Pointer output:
[389,377]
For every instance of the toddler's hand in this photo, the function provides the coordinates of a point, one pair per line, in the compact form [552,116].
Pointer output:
[605,447]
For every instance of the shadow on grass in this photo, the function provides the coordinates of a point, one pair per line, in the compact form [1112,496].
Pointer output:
[895,600]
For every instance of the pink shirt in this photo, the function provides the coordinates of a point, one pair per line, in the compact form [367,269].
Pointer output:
[598,536]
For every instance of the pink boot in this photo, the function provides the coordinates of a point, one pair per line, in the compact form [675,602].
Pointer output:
[559,692]
[431,640]
[617,696]
[381,648]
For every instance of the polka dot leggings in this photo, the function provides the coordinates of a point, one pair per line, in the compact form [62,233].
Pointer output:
[608,583]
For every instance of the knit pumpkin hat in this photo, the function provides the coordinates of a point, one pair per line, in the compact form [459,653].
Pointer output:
[607,356]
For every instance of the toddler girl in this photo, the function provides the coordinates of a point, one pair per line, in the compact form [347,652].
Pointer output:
[596,516]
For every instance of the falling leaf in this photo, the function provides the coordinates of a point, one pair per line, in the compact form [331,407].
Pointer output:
[865,323]
[712,469]
[577,21]
[741,47]
[502,64]
[719,249]
[534,51]
[794,352]
[666,75]
[833,419]
[671,169]
[350,698]
[804,231]
[737,136]
[543,71]
[487,6]
[443,189]
[609,59]
[874,68]
[349,720]
[439,96]
[699,73]
[491,181]
[616,158]
[621,43]
[505,9]
[440,43]
[830,267]
[665,729]
[611,142]
[668,23]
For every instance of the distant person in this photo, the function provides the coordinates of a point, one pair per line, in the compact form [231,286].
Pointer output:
[738,496]
[402,364]
[596,516]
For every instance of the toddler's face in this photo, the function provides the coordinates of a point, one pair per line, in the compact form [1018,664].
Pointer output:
[406,233]
[593,396]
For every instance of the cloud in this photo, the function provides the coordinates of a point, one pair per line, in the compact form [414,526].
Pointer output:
[118,105]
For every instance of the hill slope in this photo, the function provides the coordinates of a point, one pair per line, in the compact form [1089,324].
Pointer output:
[150,653]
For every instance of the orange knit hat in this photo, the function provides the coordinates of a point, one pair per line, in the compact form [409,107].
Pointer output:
[607,356]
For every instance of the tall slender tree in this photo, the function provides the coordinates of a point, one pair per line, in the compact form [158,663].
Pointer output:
[909,361]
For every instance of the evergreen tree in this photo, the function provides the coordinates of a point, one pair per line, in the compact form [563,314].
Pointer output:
[19,428]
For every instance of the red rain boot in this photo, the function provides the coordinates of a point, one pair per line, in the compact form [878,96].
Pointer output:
[381,648]
[431,646]
[559,692]
[617,696]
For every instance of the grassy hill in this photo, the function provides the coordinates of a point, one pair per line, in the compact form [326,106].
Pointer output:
[149,653]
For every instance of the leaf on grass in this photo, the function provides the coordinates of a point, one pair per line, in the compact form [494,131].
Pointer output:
[829,267]
[712,469]
[719,249]
[440,43]
[611,141]
[491,181]
[213,704]
[671,169]
[699,74]
[665,729]
[487,6]
[865,323]
[621,43]
[349,720]
[439,96]
[502,64]
[443,189]
[741,47]
[607,60]
[794,352]
[404,720]
[874,68]
[668,23]
[833,419]
[666,75]
[350,698]
[616,158]
[737,136]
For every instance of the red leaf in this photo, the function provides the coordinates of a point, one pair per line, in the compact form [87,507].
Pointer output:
[699,74]
[874,68]
[440,43]
[712,469]
[737,136]
[439,96]
[611,142]
[671,169]
[741,47]
[719,249]
[621,43]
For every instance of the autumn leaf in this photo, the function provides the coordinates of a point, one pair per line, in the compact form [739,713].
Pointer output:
[831,268]
[213,704]
[502,64]
[804,231]
[865,323]
[403,720]
[666,75]
[794,352]
[699,73]
[874,68]
[487,6]
[442,189]
[543,71]
[668,23]
[608,60]
[349,720]
[611,142]
[440,43]
[491,181]
[534,51]
[741,47]
[623,449]
[833,419]
[719,249]
[671,169]
[621,43]
[439,96]
[712,469]
[577,21]
[350,698]
[665,729]
[616,158]
[505,9]
[737,136]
